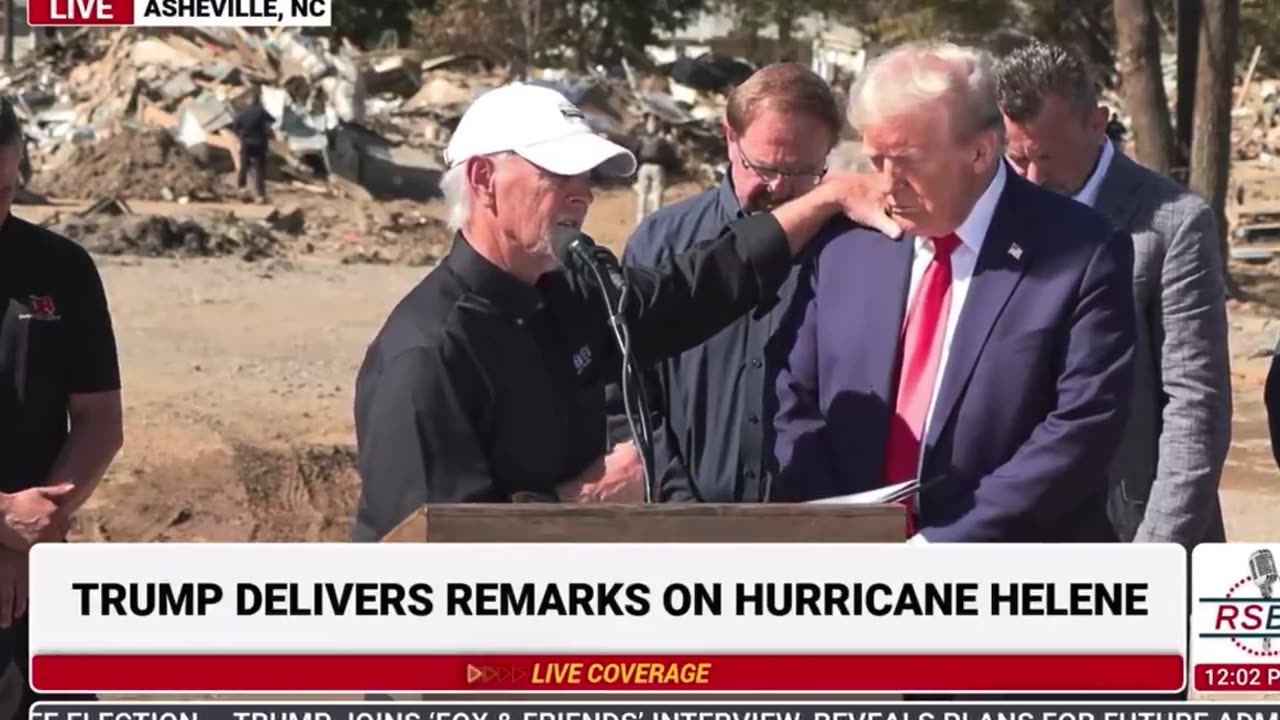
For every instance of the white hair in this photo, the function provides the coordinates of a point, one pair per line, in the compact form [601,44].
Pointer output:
[915,75]
[457,196]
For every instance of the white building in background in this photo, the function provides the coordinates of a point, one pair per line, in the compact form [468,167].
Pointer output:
[833,45]
[840,51]
[710,25]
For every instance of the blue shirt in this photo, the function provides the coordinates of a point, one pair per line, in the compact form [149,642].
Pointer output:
[715,442]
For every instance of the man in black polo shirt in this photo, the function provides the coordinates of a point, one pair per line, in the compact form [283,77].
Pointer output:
[488,380]
[60,410]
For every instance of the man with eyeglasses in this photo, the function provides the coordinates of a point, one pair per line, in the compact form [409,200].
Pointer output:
[487,381]
[713,442]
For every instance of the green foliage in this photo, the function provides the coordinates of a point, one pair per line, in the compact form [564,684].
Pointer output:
[576,33]
[364,22]
[605,31]
[898,21]
[751,15]
[999,25]
[1258,22]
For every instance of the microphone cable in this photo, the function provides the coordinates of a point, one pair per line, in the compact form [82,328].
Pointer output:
[631,370]
[643,434]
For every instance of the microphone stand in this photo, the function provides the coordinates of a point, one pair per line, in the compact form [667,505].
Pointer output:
[632,380]
[631,371]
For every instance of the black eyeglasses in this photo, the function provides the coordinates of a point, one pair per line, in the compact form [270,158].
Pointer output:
[771,174]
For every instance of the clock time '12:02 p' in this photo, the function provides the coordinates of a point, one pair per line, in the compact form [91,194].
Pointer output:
[1238,676]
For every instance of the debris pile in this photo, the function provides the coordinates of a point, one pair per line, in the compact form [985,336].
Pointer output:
[422,241]
[1255,144]
[1256,124]
[139,163]
[688,96]
[396,232]
[361,124]
[217,235]
[191,83]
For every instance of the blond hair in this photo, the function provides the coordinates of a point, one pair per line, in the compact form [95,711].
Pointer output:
[913,76]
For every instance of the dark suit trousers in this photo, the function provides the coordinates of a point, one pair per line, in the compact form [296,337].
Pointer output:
[255,155]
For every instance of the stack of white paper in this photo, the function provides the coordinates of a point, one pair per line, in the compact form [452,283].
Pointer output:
[886,494]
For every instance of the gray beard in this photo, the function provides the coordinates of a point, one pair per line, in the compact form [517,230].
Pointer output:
[543,250]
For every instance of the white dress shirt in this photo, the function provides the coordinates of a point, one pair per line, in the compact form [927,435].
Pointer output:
[1089,193]
[972,233]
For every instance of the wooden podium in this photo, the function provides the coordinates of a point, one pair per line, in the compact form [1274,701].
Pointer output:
[668,522]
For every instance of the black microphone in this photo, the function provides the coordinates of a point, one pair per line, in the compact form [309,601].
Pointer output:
[576,251]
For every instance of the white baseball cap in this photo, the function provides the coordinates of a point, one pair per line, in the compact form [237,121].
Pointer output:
[540,125]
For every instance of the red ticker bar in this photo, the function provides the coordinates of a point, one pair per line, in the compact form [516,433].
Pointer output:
[657,673]
[1237,677]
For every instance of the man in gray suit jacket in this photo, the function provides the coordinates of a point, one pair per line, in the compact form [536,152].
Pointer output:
[1164,484]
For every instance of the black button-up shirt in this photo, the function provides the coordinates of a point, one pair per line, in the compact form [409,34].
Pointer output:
[480,386]
[717,399]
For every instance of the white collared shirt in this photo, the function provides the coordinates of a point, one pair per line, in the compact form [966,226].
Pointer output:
[964,259]
[972,233]
[1089,193]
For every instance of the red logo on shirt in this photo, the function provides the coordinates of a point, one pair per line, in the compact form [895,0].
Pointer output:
[42,307]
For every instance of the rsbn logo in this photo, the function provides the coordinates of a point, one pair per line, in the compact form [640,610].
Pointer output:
[1246,615]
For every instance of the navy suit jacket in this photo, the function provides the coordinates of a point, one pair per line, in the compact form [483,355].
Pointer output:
[1271,400]
[1033,400]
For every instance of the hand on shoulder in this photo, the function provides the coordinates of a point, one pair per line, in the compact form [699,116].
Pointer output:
[863,197]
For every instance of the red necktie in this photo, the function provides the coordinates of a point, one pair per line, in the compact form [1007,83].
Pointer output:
[920,356]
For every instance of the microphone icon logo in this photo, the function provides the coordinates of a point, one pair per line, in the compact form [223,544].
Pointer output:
[1262,570]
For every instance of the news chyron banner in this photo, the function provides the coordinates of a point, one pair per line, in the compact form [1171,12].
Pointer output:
[181,13]
[648,710]
[1235,618]
[494,617]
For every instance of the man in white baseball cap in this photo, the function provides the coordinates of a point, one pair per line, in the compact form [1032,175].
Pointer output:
[487,382]
[531,147]
[540,125]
